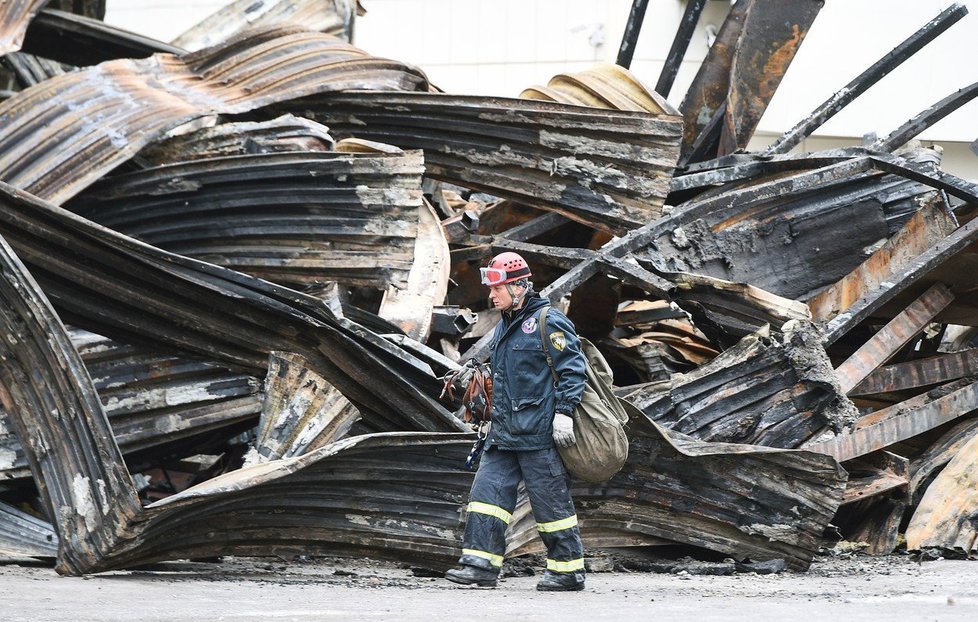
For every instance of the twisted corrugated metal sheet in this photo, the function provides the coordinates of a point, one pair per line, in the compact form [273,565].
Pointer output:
[152,399]
[292,218]
[15,16]
[333,17]
[60,136]
[609,169]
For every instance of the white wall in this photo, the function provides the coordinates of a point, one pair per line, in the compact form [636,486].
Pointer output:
[500,47]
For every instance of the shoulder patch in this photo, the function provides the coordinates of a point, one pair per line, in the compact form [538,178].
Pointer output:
[529,325]
[558,340]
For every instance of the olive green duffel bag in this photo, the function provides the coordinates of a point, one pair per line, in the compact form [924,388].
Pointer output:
[602,447]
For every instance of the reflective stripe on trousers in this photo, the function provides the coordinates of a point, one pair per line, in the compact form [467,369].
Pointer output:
[493,499]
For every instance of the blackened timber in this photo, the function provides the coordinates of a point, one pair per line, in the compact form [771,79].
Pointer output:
[687,26]
[919,373]
[932,222]
[901,421]
[938,453]
[892,59]
[81,41]
[24,535]
[707,95]
[772,34]
[769,390]
[636,16]
[926,118]
[609,169]
[875,475]
[893,336]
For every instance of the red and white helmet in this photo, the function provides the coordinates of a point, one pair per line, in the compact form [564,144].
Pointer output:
[505,268]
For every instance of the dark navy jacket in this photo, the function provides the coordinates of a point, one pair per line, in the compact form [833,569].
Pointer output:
[524,398]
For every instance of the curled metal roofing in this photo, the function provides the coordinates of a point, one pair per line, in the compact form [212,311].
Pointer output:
[58,137]
[15,16]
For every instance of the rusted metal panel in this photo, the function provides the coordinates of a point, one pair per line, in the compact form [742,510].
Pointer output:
[333,17]
[947,516]
[301,411]
[707,95]
[893,336]
[742,500]
[15,15]
[772,390]
[771,36]
[136,102]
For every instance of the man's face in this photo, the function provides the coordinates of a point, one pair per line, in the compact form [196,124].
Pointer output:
[500,297]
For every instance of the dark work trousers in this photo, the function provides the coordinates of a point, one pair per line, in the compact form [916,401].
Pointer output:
[493,499]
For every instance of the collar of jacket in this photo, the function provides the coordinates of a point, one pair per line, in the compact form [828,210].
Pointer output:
[534,302]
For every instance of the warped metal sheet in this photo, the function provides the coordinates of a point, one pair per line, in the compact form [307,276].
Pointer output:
[602,86]
[333,17]
[387,495]
[23,535]
[742,500]
[116,286]
[285,133]
[609,169]
[62,135]
[15,15]
[293,218]
[152,399]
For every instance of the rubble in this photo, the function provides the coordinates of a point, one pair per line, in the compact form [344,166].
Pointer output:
[274,243]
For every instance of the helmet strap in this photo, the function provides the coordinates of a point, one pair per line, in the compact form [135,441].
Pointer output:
[517,298]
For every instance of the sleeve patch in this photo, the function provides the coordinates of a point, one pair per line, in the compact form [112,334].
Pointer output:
[558,340]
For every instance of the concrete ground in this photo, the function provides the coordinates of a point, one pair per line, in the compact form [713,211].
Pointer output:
[835,589]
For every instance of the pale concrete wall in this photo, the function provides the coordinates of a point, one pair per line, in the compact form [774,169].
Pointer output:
[499,47]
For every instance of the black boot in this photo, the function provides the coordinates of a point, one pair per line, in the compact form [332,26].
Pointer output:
[470,575]
[561,582]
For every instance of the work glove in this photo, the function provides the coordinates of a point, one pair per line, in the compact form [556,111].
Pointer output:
[564,430]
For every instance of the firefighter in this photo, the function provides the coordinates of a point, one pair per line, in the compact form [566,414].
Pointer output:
[531,414]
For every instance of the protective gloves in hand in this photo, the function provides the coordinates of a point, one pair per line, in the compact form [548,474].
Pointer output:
[564,430]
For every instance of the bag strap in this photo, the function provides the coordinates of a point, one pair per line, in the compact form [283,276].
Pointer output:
[543,342]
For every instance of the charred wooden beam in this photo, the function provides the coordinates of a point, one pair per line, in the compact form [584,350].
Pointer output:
[938,454]
[772,34]
[767,390]
[82,41]
[917,415]
[868,477]
[892,59]
[929,225]
[687,26]
[29,70]
[932,370]
[893,336]
[926,118]
[741,500]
